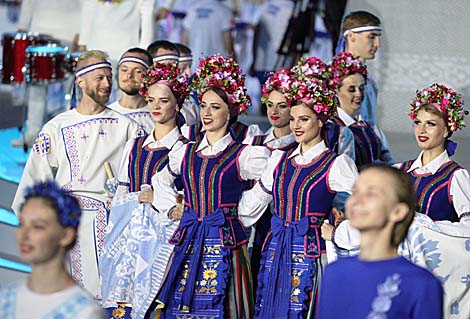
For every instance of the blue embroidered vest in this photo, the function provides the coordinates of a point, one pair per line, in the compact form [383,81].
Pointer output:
[302,190]
[366,142]
[433,191]
[212,181]
[144,162]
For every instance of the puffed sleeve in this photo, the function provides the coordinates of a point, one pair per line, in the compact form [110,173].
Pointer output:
[163,182]
[460,193]
[343,174]
[41,165]
[254,202]
[252,162]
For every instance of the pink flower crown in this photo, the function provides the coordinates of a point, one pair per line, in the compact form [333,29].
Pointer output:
[446,100]
[316,94]
[281,80]
[344,64]
[224,73]
[170,75]
[313,67]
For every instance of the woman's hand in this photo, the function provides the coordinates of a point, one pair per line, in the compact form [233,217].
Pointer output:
[327,230]
[177,212]
[146,196]
[339,216]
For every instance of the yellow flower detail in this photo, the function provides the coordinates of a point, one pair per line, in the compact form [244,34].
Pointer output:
[209,274]
[295,281]
[119,312]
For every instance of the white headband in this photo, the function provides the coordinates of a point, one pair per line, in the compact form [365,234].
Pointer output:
[134,59]
[367,28]
[186,58]
[93,67]
[166,57]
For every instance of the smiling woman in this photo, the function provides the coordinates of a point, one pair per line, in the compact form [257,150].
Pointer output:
[293,253]
[349,76]
[209,273]
[443,186]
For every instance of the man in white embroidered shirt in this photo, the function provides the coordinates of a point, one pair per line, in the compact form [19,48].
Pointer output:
[72,148]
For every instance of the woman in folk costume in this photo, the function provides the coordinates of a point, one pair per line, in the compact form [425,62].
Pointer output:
[136,246]
[209,275]
[279,136]
[275,98]
[302,183]
[443,186]
[339,139]
[439,238]
[49,220]
[349,76]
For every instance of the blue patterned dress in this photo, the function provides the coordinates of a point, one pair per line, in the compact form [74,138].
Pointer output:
[209,276]
[289,267]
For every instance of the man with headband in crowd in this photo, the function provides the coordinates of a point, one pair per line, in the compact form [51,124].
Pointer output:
[361,31]
[131,66]
[361,37]
[78,149]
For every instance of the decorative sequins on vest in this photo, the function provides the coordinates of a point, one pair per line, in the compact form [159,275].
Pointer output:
[433,191]
[144,162]
[212,181]
[302,190]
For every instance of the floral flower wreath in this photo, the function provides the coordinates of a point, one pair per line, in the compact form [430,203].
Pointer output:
[67,207]
[313,66]
[223,72]
[446,100]
[344,64]
[282,80]
[170,75]
[316,94]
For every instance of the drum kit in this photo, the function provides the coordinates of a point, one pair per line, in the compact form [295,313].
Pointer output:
[32,59]
[35,59]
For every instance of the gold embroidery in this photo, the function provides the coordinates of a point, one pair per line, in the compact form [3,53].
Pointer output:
[209,283]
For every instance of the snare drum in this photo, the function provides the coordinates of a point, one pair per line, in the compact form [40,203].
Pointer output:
[71,61]
[14,55]
[45,64]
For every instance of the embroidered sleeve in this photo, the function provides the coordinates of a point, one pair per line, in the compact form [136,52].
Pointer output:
[41,165]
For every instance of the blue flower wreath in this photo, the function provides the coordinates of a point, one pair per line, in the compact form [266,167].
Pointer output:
[67,207]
